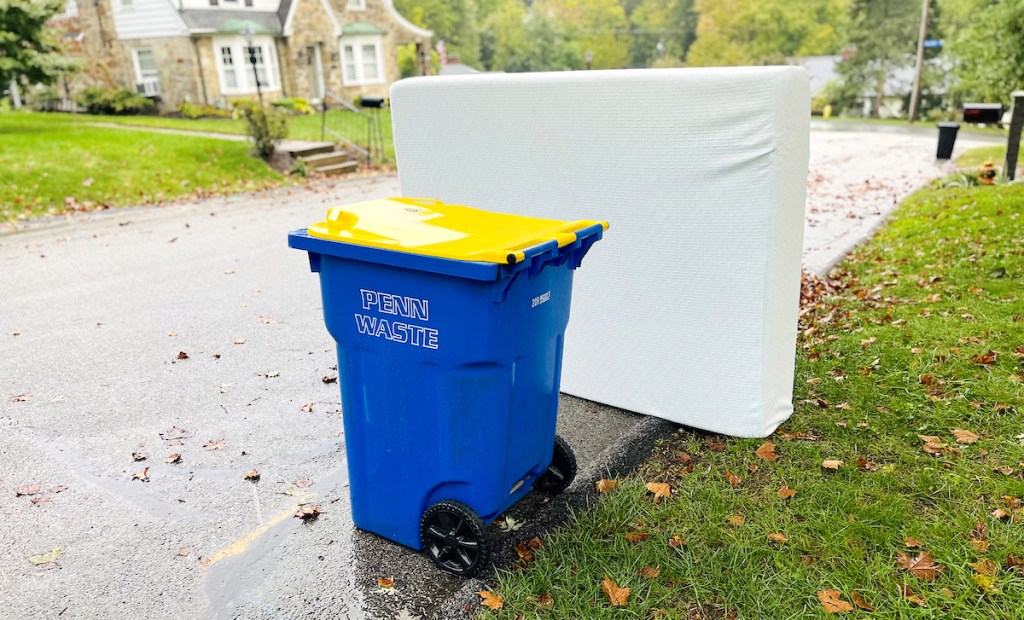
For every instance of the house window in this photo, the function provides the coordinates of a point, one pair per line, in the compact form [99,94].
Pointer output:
[362,60]
[357,5]
[145,65]
[235,65]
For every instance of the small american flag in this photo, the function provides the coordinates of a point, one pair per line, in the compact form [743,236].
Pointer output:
[442,52]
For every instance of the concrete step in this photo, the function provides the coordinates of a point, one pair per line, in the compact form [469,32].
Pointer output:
[321,160]
[348,166]
[305,148]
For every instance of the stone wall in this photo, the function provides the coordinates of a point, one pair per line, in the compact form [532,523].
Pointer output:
[311,27]
[178,70]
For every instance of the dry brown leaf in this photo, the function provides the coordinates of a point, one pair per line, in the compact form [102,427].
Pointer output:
[985,567]
[139,455]
[183,552]
[238,341]
[308,407]
[175,436]
[182,355]
[524,552]
[965,436]
[28,489]
[649,572]
[606,486]
[767,451]
[864,464]
[214,444]
[386,582]
[173,459]
[736,520]
[308,512]
[986,359]
[734,480]
[923,566]
[141,475]
[546,601]
[999,514]
[252,475]
[491,600]
[778,537]
[980,546]
[619,597]
[832,602]
[58,488]
[303,483]
[636,537]
[785,492]
[715,445]
[911,542]
[676,541]
[1005,470]
[535,543]
[330,379]
[861,602]
[909,594]
[832,464]
[1015,563]
[660,489]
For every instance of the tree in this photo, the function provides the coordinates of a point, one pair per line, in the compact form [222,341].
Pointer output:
[757,32]
[882,37]
[28,51]
[672,23]
[517,39]
[989,49]
[599,26]
[453,21]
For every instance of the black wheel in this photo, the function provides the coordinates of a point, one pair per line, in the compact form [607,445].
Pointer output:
[561,472]
[455,538]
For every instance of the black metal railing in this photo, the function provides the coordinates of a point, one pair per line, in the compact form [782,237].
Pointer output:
[357,129]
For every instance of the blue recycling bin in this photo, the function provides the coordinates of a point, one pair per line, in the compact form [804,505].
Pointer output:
[449,323]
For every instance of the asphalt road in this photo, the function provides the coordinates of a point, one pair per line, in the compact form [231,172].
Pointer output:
[118,326]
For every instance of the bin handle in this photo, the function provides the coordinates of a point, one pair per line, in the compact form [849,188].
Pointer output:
[562,237]
[420,202]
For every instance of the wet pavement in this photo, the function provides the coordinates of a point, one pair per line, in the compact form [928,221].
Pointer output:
[118,326]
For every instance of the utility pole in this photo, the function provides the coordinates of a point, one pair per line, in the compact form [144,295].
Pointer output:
[916,93]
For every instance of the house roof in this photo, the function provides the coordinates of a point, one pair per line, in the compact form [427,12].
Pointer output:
[360,28]
[203,20]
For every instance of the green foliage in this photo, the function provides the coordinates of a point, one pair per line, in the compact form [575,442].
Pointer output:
[267,127]
[28,51]
[298,105]
[743,32]
[201,110]
[671,22]
[453,21]
[121,101]
[990,51]
[517,39]
[597,26]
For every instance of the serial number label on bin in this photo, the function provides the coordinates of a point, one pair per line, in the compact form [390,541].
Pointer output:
[391,329]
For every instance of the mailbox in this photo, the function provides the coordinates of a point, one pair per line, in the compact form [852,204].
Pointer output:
[989,113]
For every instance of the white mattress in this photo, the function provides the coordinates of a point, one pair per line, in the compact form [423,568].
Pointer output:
[687,310]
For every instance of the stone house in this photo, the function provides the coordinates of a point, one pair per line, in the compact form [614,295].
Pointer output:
[216,51]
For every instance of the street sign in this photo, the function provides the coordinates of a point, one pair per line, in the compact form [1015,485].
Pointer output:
[933,43]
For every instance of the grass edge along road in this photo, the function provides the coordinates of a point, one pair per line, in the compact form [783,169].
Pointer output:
[50,165]
[895,486]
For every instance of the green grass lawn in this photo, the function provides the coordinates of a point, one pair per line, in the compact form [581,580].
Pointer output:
[300,127]
[976,157]
[964,127]
[921,333]
[50,164]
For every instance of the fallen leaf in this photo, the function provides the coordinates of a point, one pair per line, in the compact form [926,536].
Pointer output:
[141,475]
[303,483]
[923,566]
[767,451]
[175,436]
[778,537]
[330,379]
[58,488]
[183,552]
[866,465]
[660,489]
[1006,470]
[981,546]
[28,489]
[619,597]
[1015,563]
[40,500]
[736,520]
[649,572]
[832,464]
[909,594]
[986,359]
[172,333]
[88,182]
[173,459]
[386,582]
[832,602]
[308,512]
[859,601]
[734,480]
[987,583]
[228,272]
[948,593]
[214,444]
[965,436]
[911,543]
[491,600]
[606,486]
[985,567]
[676,541]
[535,543]
[785,492]
[716,446]
[635,537]
[510,525]
[21,398]
[238,341]
[46,558]
[308,407]
[139,455]
[252,475]
[814,381]
[546,601]
[524,552]
[182,355]
[999,514]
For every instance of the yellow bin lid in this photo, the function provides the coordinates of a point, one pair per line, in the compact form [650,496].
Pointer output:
[433,228]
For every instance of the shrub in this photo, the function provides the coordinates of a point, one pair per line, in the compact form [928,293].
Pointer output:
[267,127]
[240,107]
[121,101]
[298,105]
[201,110]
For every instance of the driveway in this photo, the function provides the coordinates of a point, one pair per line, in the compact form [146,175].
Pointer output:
[133,335]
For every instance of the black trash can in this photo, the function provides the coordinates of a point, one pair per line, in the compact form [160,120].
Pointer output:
[947,137]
